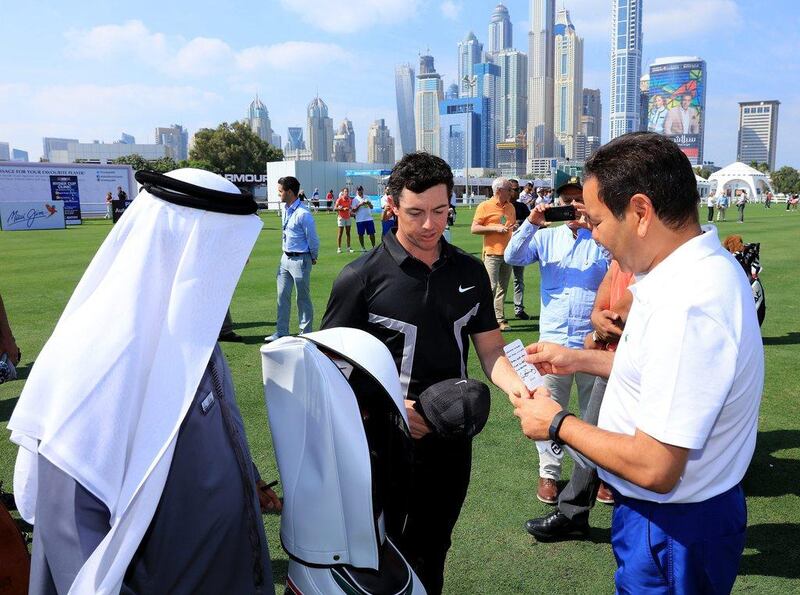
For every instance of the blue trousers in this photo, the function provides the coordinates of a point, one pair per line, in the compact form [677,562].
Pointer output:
[678,548]
[294,271]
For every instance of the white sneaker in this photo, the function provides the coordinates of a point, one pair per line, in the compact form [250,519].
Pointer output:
[338,250]
[350,250]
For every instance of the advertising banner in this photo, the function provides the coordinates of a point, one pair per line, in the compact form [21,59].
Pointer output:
[25,216]
[82,188]
[65,188]
[676,105]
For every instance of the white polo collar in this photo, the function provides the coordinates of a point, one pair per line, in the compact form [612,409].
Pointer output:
[682,258]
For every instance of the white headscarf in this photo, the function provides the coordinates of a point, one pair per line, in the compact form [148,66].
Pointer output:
[110,388]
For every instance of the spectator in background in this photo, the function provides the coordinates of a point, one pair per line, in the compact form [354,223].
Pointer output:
[388,218]
[315,200]
[343,208]
[302,196]
[329,199]
[300,245]
[710,204]
[362,207]
[527,196]
[109,206]
[521,212]
[572,266]
[494,219]
[122,195]
[741,203]
[768,200]
[723,202]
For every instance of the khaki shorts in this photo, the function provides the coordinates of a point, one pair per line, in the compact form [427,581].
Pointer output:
[342,222]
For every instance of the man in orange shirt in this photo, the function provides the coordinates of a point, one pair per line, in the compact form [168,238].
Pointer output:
[494,219]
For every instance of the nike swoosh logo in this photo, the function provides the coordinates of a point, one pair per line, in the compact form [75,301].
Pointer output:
[463,289]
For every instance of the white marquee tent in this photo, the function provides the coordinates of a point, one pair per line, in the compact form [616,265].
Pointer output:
[740,176]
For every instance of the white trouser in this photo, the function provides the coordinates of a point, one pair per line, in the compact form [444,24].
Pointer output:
[560,386]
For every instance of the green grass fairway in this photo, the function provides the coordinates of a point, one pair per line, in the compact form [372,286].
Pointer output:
[491,552]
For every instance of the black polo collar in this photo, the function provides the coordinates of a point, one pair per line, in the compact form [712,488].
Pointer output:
[401,255]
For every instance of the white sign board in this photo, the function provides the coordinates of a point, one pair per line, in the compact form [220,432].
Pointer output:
[24,216]
[81,187]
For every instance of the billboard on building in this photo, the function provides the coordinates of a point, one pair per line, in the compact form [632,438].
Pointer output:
[80,188]
[676,103]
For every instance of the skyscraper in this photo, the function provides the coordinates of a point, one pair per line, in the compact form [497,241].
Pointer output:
[19,155]
[320,130]
[626,65]
[470,51]
[758,132]
[295,141]
[452,92]
[344,143]
[512,94]
[500,32]
[5,152]
[591,124]
[276,141]
[126,139]
[258,117]
[540,73]
[404,91]
[487,84]
[568,86]
[380,144]
[426,106]
[176,138]
[463,132]
[644,90]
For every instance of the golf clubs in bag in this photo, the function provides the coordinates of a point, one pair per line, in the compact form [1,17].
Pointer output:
[748,257]
[343,448]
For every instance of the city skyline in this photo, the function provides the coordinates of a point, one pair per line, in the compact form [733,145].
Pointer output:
[117,70]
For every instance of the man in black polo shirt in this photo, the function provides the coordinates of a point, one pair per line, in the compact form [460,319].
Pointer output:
[424,299]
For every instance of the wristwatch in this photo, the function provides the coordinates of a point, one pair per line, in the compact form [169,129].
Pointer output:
[555,425]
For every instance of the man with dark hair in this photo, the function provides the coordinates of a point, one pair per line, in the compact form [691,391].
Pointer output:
[424,299]
[674,438]
[300,251]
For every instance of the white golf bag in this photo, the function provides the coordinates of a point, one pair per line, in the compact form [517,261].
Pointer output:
[340,431]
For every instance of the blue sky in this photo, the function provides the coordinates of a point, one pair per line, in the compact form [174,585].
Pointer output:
[93,69]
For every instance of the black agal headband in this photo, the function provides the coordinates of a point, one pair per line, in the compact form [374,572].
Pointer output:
[196,197]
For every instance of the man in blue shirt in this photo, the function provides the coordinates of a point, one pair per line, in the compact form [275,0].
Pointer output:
[300,250]
[572,266]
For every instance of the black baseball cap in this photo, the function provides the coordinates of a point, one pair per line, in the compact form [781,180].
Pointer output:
[573,181]
[456,408]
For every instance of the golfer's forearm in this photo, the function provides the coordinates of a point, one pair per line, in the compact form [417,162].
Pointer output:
[639,459]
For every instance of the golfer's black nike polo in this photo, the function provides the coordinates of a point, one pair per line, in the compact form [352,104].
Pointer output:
[423,315]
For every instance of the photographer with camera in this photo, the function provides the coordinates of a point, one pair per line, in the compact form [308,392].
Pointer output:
[572,267]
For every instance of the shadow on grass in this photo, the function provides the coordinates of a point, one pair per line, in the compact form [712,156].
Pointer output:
[241,325]
[793,338]
[776,552]
[7,407]
[772,476]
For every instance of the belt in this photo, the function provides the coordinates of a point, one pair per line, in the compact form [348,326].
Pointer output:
[295,253]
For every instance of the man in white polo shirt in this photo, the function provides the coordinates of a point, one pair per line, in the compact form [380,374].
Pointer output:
[674,438]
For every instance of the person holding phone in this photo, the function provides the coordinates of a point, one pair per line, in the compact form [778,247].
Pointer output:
[572,267]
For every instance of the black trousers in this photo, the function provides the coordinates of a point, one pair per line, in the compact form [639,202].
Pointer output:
[578,496]
[439,486]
